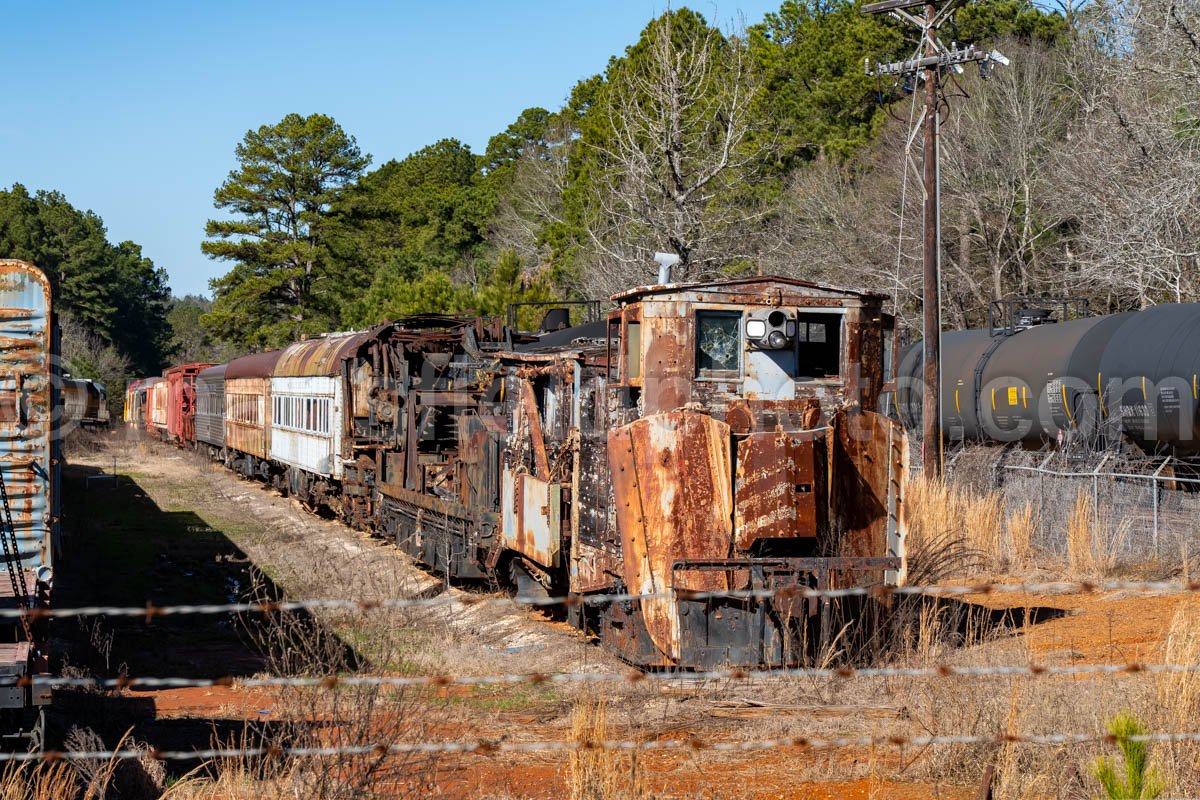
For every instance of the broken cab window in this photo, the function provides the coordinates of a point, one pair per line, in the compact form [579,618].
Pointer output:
[818,345]
[718,343]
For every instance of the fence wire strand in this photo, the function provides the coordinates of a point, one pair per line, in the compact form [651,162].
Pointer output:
[151,611]
[630,676]
[490,747]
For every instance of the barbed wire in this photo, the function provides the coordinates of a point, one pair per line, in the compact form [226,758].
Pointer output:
[151,611]
[629,676]
[492,747]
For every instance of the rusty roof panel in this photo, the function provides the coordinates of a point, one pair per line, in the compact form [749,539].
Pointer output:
[213,373]
[255,365]
[757,286]
[322,356]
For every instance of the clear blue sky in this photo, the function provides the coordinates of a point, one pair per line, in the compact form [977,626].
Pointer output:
[132,109]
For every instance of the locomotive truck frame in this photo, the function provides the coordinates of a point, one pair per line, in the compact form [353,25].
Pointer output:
[702,439]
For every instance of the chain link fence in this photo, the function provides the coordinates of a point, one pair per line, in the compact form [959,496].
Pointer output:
[1142,508]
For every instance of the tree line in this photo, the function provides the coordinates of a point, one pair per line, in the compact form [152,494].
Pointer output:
[112,301]
[697,141]
[1074,171]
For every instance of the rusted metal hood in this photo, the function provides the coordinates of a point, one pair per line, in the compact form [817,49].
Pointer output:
[671,473]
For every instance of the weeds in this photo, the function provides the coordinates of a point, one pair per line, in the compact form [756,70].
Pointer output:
[597,773]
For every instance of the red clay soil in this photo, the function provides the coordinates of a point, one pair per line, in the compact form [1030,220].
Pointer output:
[217,702]
[1113,628]
[680,775]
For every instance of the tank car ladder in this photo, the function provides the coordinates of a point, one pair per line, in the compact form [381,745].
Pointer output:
[12,559]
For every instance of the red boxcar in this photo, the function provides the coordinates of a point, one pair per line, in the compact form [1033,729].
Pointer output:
[181,403]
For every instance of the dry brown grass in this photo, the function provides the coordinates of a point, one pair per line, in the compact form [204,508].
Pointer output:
[1178,699]
[941,512]
[1020,527]
[27,780]
[1094,538]
[596,773]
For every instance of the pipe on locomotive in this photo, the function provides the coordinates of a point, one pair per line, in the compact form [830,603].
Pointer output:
[1129,377]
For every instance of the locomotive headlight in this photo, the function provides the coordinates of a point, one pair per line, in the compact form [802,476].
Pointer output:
[773,330]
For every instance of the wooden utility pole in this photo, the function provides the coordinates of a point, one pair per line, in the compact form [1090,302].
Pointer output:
[931,258]
[929,60]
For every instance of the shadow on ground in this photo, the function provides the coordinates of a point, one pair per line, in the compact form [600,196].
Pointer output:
[121,549]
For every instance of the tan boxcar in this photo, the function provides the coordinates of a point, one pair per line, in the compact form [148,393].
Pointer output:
[248,411]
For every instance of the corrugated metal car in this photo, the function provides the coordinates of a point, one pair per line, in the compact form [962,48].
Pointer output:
[210,409]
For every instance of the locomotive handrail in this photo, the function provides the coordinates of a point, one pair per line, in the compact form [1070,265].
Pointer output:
[12,560]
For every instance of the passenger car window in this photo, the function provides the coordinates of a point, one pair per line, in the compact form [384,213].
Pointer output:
[718,343]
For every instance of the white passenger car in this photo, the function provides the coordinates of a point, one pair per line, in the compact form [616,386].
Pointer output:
[307,399]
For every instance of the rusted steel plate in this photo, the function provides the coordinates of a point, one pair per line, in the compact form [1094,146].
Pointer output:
[671,475]
[530,424]
[867,471]
[670,343]
[532,511]
[780,489]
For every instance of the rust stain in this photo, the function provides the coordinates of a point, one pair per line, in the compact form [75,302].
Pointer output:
[532,425]
[866,461]
[671,475]
[781,492]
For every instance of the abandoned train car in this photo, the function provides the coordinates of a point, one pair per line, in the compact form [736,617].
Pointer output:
[181,403]
[31,419]
[210,410]
[157,402]
[84,403]
[704,438]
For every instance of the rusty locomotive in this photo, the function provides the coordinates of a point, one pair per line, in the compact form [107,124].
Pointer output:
[695,442]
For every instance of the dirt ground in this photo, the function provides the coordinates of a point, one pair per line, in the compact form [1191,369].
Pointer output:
[173,528]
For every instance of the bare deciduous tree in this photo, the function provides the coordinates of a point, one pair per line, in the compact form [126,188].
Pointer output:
[678,112]
[1136,169]
[535,197]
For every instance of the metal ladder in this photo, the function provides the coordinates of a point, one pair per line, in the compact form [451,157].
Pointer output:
[12,559]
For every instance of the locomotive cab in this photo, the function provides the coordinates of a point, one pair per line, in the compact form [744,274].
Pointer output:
[742,459]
